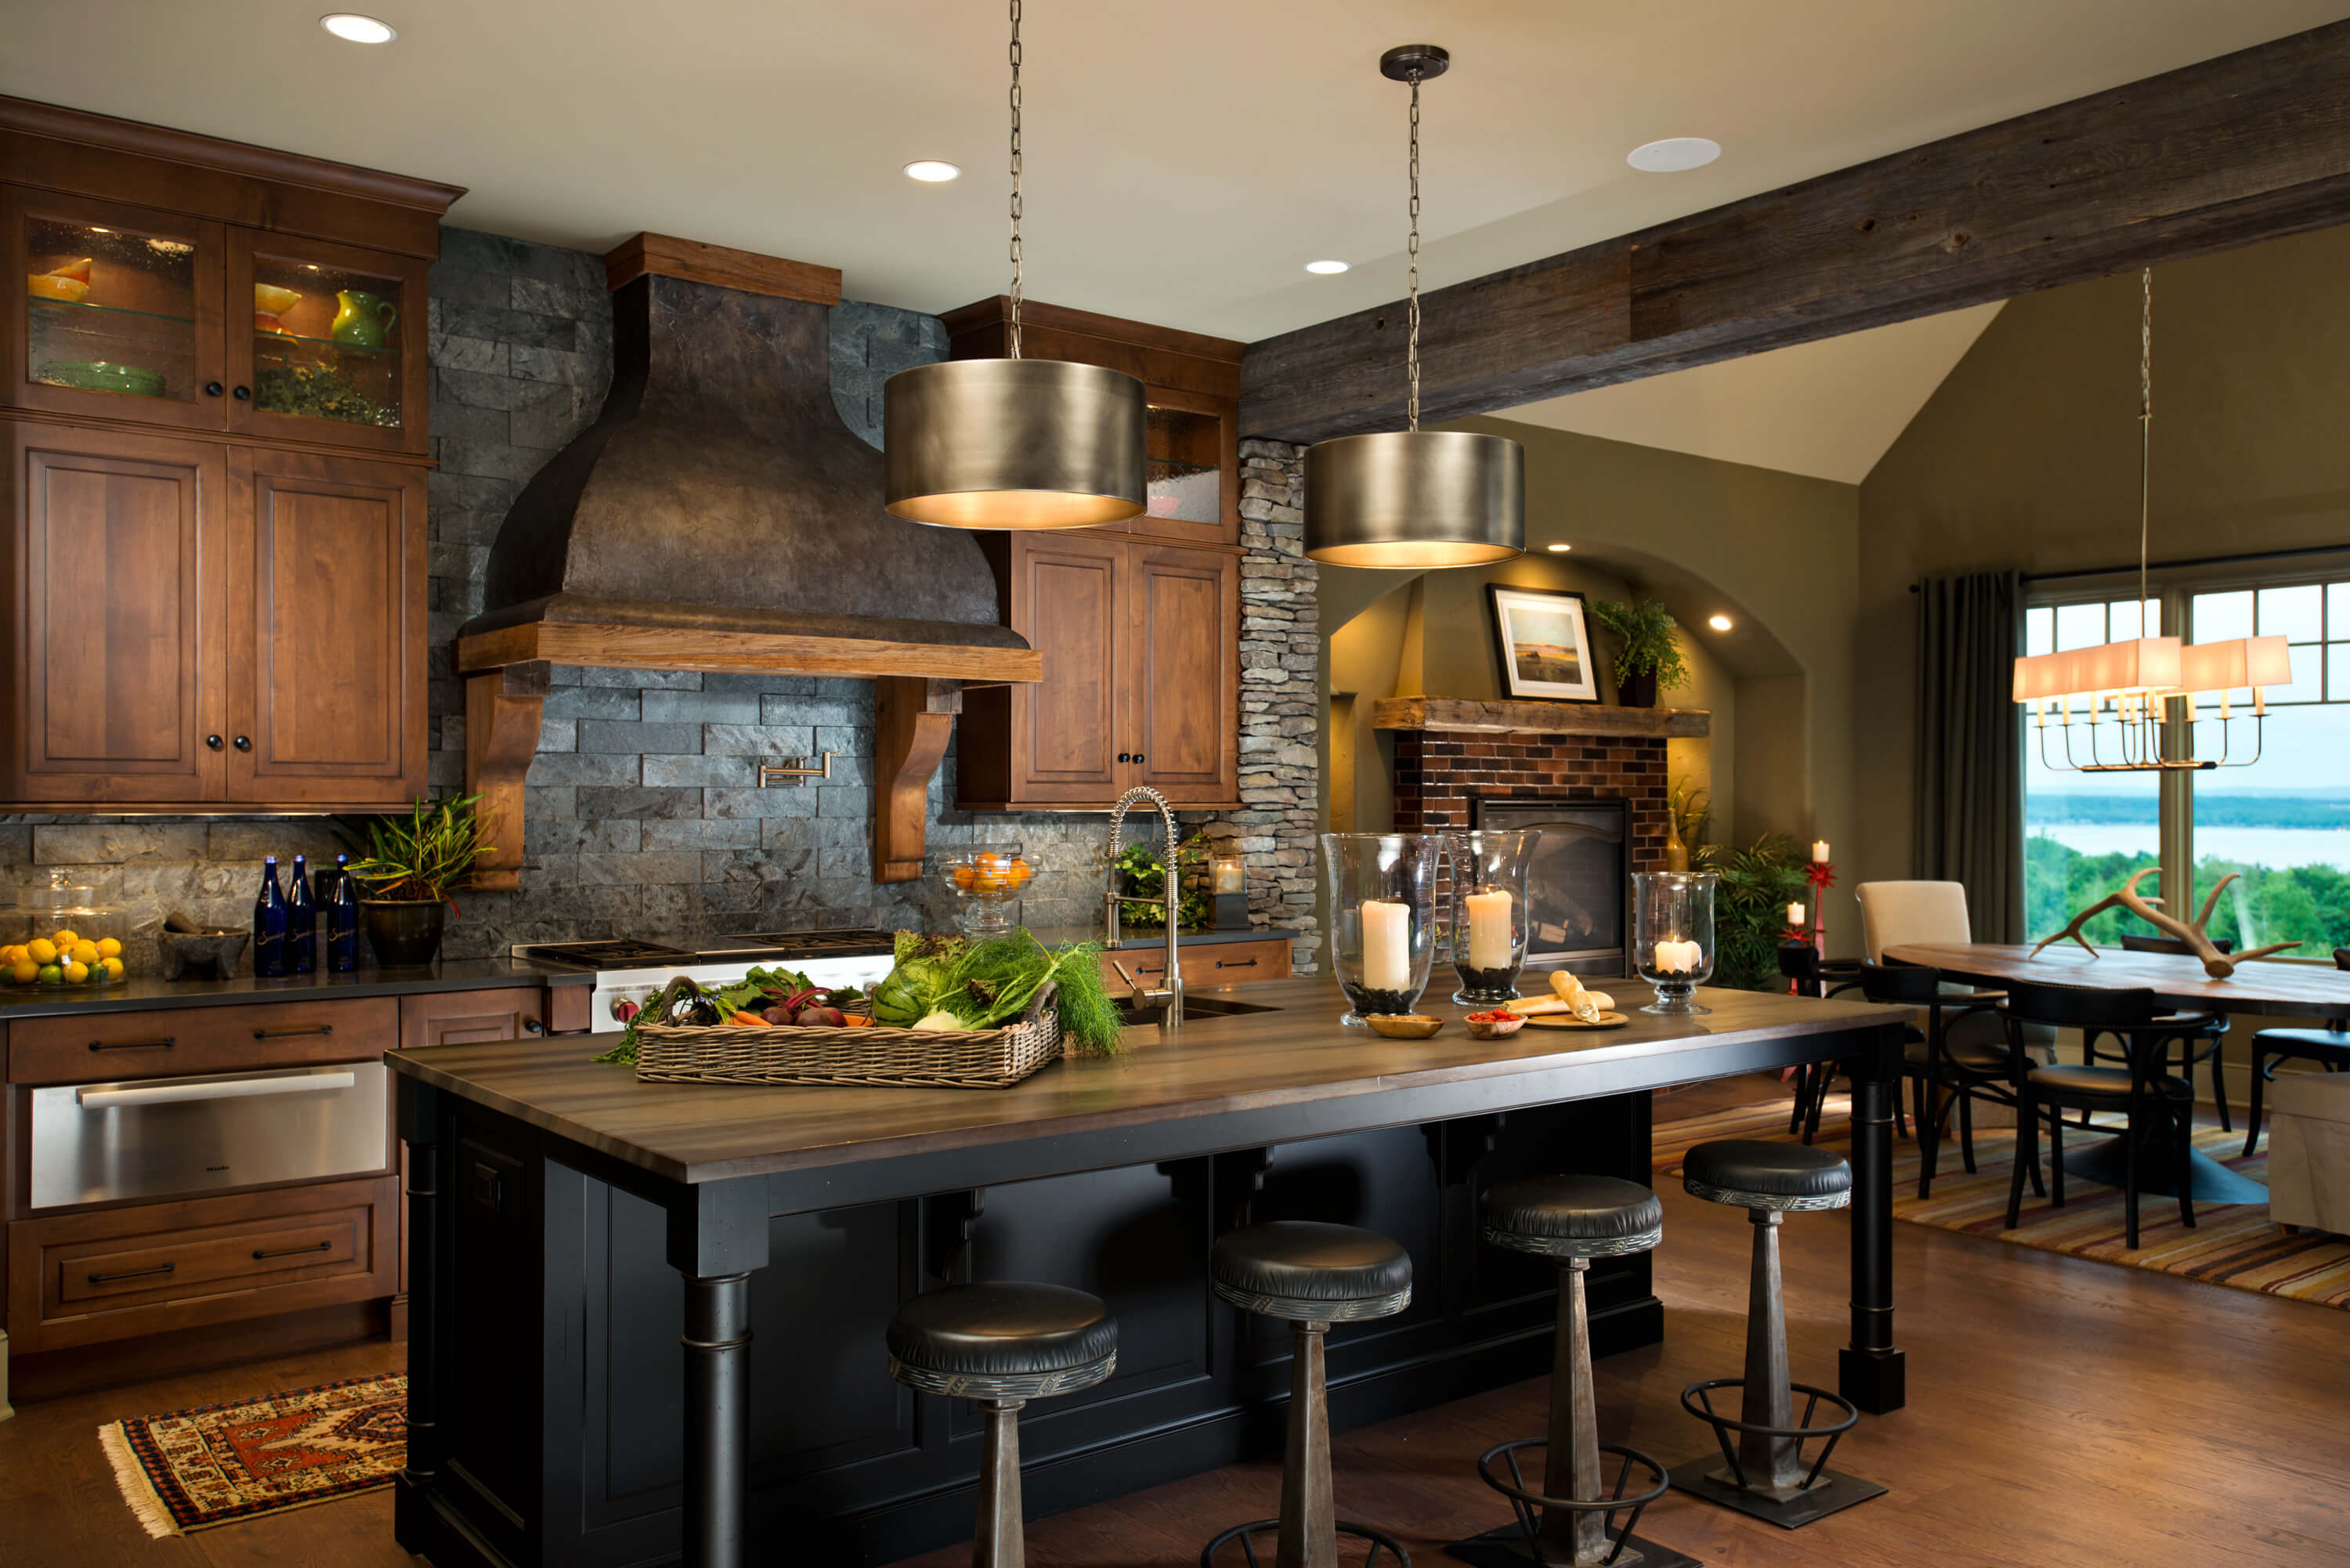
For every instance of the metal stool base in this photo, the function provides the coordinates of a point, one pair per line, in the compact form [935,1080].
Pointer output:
[1506,1548]
[1380,1539]
[1832,1492]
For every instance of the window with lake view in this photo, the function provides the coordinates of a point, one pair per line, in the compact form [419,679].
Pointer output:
[2282,824]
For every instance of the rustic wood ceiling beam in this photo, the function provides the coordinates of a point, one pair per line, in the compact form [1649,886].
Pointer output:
[2246,147]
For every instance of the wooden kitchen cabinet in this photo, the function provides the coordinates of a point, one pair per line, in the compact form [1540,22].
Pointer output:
[1182,672]
[472,1017]
[1204,963]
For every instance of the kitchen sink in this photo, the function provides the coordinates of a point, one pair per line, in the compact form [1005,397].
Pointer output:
[1194,1007]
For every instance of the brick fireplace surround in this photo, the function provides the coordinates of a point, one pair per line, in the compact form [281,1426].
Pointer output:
[1439,771]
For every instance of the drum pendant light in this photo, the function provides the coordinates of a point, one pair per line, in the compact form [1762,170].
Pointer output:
[1410,499]
[1012,442]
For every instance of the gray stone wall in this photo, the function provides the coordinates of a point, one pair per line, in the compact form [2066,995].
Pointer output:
[644,815]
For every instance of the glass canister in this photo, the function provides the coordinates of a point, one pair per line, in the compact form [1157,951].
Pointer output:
[1489,914]
[1672,936]
[1382,916]
[66,935]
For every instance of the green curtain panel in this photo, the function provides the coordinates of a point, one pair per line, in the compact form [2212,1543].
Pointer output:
[1969,796]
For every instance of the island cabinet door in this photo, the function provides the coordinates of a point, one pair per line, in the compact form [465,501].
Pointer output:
[116,688]
[1181,707]
[326,672]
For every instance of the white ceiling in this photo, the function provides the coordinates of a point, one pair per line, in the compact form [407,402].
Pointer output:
[1828,409]
[1183,163]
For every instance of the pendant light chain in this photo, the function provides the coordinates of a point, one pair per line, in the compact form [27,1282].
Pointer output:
[2144,433]
[1015,179]
[1411,351]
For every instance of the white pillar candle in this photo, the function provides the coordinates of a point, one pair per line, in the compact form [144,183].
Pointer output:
[1387,945]
[1794,914]
[1227,876]
[1489,929]
[1678,958]
[1820,850]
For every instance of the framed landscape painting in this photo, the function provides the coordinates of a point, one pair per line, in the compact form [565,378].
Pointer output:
[1545,651]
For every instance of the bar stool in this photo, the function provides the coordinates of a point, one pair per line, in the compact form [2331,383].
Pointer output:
[1765,1474]
[1572,1219]
[1314,1275]
[1001,1346]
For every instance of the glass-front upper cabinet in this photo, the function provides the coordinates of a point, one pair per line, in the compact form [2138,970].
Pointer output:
[120,316]
[333,346]
[1191,470]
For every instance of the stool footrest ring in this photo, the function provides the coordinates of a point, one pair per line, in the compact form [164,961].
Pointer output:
[1698,1400]
[1380,1539]
[1525,1500]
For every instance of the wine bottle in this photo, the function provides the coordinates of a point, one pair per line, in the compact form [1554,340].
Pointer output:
[301,921]
[342,903]
[269,924]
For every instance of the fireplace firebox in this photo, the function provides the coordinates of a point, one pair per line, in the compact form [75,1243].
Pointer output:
[1576,886]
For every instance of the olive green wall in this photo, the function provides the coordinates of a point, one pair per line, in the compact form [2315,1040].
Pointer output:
[2027,457]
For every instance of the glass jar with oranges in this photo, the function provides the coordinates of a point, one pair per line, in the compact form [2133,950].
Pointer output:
[66,936]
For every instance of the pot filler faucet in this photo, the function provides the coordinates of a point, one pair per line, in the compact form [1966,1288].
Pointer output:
[1169,998]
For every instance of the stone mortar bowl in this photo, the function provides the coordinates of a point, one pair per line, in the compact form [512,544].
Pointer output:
[201,952]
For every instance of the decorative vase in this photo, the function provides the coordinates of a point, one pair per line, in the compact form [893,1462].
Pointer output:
[1382,916]
[363,319]
[1636,691]
[403,932]
[1489,914]
[1672,936]
[1676,852]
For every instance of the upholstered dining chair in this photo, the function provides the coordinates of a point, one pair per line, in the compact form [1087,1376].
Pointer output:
[2328,1047]
[1894,913]
[2201,1040]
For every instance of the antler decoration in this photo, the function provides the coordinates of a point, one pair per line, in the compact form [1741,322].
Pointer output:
[2216,964]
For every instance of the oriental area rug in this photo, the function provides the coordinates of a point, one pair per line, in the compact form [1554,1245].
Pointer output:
[220,1464]
[2233,1244]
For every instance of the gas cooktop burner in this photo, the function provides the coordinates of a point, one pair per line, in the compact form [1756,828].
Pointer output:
[819,944]
[621,952]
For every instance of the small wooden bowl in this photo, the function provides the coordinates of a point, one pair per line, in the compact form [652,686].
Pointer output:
[1403,1025]
[1495,1028]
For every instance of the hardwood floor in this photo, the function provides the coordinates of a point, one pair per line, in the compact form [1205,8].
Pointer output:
[2061,1412]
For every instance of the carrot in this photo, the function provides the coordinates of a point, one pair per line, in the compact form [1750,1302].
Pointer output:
[748,1020]
[856,1021]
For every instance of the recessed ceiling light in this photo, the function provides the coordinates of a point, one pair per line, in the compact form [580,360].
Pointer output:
[932,170]
[1559,549]
[1327,267]
[358,29]
[1719,622]
[1674,155]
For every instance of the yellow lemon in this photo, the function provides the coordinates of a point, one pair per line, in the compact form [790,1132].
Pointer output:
[65,939]
[41,950]
[85,953]
[23,971]
[11,953]
[108,948]
[113,967]
[76,973]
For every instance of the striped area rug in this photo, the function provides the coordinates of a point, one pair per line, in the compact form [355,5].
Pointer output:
[2235,1245]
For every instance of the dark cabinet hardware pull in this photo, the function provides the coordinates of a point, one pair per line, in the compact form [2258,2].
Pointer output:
[1124,757]
[212,389]
[134,1274]
[1137,756]
[1236,964]
[243,393]
[533,1026]
[163,1044]
[213,742]
[259,1255]
[243,743]
[293,1033]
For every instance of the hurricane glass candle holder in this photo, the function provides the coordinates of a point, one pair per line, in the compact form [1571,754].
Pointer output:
[1489,914]
[1672,936]
[1382,917]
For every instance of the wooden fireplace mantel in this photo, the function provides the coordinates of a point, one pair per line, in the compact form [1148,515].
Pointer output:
[1525,717]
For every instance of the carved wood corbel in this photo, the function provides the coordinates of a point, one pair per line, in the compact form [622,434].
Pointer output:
[501,723]
[2216,964]
[913,718]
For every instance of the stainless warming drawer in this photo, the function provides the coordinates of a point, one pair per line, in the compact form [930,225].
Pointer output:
[167,1137]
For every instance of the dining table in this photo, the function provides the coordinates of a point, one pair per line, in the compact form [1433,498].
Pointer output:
[2179,982]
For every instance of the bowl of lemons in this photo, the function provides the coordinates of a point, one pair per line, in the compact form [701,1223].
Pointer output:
[65,937]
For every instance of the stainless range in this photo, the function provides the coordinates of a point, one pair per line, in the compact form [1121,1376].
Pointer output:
[628,970]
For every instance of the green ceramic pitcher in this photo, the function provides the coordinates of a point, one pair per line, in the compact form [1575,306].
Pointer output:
[363,319]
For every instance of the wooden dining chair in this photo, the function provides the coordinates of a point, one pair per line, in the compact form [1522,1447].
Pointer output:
[2199,1043]
[2144,1094]
[2328,1047]
[1966,1065]
[1800,962]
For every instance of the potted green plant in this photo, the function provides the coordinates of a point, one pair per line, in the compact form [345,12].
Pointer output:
[1650,656]
[407,876]
[1142,878]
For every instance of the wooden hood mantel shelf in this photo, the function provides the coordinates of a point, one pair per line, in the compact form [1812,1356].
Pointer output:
[1525,718]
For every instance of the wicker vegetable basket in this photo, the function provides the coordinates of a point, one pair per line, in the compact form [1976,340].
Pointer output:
[877,1054]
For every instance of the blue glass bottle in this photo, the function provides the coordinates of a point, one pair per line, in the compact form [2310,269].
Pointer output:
[342,901]
[301,921]
[269,924]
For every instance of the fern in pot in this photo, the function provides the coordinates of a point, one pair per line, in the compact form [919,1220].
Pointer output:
[411,868]
[1650,657]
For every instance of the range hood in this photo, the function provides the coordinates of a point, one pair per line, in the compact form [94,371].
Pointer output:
[720,516]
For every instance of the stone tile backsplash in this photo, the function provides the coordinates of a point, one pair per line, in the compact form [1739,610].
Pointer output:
[644,811]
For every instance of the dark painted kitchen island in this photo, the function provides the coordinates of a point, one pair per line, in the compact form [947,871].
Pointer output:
[572,1402]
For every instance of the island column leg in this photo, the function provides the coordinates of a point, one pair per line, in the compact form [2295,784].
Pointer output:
[420,1111]
[1870,1371]
[717,1238]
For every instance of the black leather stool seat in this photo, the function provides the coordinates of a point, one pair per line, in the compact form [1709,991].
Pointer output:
[1751,1173]
[1002,1341]
[1574,1216]
[1312,1272]
[2071,1084]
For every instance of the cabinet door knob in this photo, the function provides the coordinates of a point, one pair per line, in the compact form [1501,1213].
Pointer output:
[533,1026]
[212,389]
[242,393]
[213,742]
[1137,756]
[242,744]
[1124,757]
